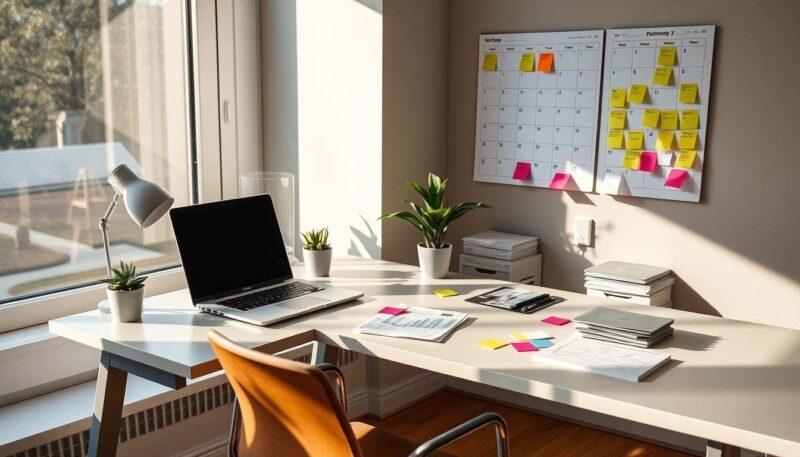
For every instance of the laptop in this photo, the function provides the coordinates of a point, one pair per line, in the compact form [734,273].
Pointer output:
[236,265]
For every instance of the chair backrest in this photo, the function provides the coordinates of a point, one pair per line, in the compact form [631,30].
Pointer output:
[287,408]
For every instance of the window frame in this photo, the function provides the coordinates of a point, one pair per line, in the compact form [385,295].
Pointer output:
[205,175]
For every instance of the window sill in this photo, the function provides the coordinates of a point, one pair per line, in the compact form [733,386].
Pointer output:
[38,310]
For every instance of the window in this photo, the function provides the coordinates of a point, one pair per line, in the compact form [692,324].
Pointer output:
[85,86]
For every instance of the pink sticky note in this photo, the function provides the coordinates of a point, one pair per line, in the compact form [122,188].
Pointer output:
[392,310]
[523,171]
[524,346]
[675,178]
[648,161]
[554,320]
[560,181]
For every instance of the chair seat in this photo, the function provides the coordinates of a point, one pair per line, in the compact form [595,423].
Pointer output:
[375,442]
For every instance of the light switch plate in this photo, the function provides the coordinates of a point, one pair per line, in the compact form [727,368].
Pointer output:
[584,231]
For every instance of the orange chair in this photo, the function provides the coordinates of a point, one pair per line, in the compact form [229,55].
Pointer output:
[289,409]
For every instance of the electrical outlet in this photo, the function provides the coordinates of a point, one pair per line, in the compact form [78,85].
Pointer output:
[584,231]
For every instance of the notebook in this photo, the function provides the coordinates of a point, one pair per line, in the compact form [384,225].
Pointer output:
[614,319]
[604,358]
[628,272]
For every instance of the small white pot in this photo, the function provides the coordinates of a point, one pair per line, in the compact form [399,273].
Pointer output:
[126,305]
[318,263]
[434,263]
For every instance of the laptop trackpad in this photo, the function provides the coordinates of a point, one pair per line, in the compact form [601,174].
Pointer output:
[302,303]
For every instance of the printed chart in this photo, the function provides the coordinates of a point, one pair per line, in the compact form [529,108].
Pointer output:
[537,109]
[655,112]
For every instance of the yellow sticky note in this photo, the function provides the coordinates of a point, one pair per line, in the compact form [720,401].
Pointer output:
[635,139]
[519,336]
[664,140]
[491,343]
[688,139]
[662,76]
[650,117]
[637,93]
[690,119]
[445,293]
[618,97]
[666,55]
[490,62]
[616,119]
[687,93]
[631,160]
[526,61]
[669,119]
[614,140]
[685,159]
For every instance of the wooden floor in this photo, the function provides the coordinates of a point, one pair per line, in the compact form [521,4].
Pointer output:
[531,434]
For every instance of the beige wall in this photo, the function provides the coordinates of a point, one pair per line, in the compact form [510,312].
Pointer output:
[737,252]
[414,109]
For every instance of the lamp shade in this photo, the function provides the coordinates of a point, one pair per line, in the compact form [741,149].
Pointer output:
[145,201]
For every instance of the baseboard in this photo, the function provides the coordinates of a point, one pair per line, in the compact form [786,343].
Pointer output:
[397,396]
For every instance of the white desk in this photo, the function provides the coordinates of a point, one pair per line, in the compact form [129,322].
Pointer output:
[729,382]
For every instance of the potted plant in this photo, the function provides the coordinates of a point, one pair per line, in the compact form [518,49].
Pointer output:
[125,293]
[432,221]
[317,252]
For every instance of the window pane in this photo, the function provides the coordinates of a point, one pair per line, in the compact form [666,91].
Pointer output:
[85,86]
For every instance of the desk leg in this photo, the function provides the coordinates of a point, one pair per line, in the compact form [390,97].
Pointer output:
[715,449]
[108,401]
[323,353]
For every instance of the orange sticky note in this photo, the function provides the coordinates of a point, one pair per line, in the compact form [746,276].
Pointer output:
[545,61]
[490,62]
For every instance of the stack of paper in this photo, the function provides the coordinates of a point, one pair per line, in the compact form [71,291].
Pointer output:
[642,284]
[415,322]
[500,245]
[622,327]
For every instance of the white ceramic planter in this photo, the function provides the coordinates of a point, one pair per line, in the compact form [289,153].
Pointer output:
[318,263]
[434,263]
[126,305]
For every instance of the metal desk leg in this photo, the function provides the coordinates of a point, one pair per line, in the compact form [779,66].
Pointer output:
[715,449]
[110,395]
[323,353]
[108,401]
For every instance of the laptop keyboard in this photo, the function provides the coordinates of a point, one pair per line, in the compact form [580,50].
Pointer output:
[270,296]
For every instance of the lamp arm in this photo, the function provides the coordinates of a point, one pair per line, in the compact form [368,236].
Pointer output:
[104,229]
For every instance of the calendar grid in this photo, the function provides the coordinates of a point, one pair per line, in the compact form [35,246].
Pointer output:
[632,57]
[546,119]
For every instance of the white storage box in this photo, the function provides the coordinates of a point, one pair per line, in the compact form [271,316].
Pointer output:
[661,298]
[527,270]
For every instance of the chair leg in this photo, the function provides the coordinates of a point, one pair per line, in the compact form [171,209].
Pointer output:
[233,435]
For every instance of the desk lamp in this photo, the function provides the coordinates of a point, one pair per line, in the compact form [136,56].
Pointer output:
[145,201]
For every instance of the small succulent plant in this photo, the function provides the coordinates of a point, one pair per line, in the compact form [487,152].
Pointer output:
[316,240]
[125,278]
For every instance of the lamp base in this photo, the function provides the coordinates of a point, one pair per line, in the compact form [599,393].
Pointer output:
[103,306]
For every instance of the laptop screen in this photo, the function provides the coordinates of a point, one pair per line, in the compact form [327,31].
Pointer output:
[230,246]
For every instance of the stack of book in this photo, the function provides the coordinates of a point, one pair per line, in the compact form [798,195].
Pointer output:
[631,282]
[500,255]
[622,327]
